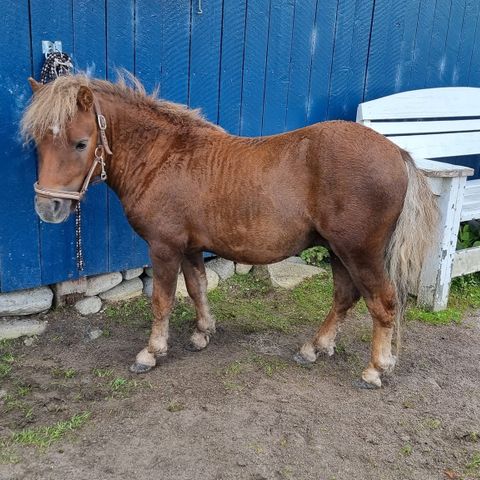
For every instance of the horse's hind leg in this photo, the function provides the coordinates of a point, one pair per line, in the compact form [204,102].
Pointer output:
[379,294]
[345,296]
[196,280]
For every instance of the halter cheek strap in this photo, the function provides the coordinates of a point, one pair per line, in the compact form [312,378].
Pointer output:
[100,150]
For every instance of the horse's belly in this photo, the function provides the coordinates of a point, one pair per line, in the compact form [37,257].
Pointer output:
[261,243]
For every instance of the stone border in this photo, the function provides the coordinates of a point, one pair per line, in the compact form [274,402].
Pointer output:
[88,294]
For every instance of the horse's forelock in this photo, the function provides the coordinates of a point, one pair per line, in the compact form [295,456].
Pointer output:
[52,108]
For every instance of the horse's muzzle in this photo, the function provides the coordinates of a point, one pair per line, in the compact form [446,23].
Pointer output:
[53,210]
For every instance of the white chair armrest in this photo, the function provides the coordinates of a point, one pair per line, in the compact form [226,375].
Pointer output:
[431,168]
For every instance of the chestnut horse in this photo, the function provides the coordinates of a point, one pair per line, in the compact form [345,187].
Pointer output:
[188,186]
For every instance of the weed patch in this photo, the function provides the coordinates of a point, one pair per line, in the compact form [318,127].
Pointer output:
[42,437]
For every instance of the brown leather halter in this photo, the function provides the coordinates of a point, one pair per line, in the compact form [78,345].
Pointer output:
[102,147]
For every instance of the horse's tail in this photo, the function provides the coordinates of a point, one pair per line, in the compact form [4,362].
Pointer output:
[413,234]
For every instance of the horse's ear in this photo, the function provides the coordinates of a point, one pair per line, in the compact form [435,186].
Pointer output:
[85,98]
[34,85]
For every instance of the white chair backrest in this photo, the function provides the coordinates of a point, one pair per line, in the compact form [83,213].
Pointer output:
[430,123]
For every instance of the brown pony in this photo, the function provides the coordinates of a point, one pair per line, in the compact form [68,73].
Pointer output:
[188,186]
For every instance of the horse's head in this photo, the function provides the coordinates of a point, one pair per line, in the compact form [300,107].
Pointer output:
[61,120]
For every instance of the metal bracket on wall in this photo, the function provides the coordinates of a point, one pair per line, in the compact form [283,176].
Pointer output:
[199,7]
[50,47]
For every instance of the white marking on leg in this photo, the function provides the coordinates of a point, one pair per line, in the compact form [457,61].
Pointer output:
[200,339]
[308,352]
[144,357]
[372,375]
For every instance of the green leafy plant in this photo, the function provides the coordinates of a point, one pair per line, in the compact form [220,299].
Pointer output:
[315,255]
[468,236]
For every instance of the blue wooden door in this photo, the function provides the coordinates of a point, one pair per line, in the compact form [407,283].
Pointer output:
[258,67]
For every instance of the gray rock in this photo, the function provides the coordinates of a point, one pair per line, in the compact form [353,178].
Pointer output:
[286,274]
[25,302]
[21,327]
[149,271]
[242,268]
[70,286]
[298,260]
[3,393]
[102,283]
[223,268]
[212,282]
[132,273]
[126,290]
[147,286]
[88,305]
[28,342]
[94,333]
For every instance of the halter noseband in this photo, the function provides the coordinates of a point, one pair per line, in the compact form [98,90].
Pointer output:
[102,147]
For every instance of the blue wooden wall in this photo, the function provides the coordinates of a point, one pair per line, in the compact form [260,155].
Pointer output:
[257,67]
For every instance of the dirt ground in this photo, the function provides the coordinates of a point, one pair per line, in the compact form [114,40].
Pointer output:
[241,409]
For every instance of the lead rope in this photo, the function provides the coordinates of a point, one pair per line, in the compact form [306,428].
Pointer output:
[57,64]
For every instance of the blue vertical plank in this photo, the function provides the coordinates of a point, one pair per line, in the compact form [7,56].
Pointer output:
[474,67]
[205,58]
[278,67]
[234,15]
[407,51]
[176,51]
[437,61]
[386,72]
[471,23]
[52,20]
[19,250]
[89,53]
[349,60]
[148,41]
[304,43]
[126,248]
[419,70]
[453,41]
[323,43]
[256,38]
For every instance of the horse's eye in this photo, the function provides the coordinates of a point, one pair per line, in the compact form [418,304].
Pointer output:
[81,146]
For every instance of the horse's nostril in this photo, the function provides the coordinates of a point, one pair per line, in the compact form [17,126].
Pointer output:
[57,205]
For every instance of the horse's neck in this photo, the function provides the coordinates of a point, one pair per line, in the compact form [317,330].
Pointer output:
[130,132]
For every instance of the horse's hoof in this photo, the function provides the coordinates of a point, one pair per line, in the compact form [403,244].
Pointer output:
[362,384]
[299,359]
[140,368]
[191,347]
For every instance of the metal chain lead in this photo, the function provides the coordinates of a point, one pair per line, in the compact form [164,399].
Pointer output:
[78,237]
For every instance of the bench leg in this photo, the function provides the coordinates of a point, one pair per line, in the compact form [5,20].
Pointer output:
[436,273]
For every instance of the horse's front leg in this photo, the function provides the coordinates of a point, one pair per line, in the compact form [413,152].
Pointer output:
[193,268]
[165,273]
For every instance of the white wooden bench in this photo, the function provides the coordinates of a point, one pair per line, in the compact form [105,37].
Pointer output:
[437,123]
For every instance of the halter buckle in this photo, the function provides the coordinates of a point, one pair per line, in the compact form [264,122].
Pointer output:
[102,122]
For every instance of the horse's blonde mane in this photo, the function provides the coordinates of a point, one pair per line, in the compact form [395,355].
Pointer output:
[54,105]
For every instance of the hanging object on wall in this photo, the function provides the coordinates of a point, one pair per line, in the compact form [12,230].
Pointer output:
[56,64]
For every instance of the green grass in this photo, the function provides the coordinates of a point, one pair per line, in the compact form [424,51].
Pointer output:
[102,372]
[235,371]
[406,450]
[175,406]
[136,312]
[120,386]
[64,372]
[268,364]
[444,317]
[473,466]
[251,304]
[43,437]
[464,296]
